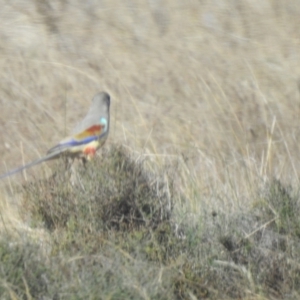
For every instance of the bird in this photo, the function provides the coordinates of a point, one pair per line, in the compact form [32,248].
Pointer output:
[85,139]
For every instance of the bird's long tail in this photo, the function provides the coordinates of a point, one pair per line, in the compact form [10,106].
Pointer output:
[33,163]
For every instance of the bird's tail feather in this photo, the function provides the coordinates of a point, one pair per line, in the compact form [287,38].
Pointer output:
[33,163]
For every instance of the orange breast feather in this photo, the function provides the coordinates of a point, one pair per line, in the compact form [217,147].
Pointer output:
[92,131]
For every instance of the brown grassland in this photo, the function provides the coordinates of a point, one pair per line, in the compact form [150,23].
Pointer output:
[195,195]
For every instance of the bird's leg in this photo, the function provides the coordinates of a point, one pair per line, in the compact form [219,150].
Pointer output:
[74,174]
[69,163]
[84,160]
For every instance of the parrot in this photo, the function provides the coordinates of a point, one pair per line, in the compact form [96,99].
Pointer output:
[86,138]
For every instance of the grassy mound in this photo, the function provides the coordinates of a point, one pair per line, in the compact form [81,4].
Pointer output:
[114,234]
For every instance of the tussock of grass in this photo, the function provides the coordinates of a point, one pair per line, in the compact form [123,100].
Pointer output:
[280,204]
[112,192]
[24,271]
[118,218]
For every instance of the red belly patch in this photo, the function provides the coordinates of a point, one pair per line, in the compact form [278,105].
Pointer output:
[89,151]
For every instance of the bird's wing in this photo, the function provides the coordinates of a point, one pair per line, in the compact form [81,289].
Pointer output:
[89,135]
[93,133]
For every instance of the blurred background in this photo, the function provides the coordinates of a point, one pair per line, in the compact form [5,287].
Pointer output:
[214,82]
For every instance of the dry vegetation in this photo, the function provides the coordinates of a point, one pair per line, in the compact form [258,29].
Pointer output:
[196,193]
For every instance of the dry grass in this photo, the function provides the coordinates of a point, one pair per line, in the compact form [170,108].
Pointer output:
[209,90]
